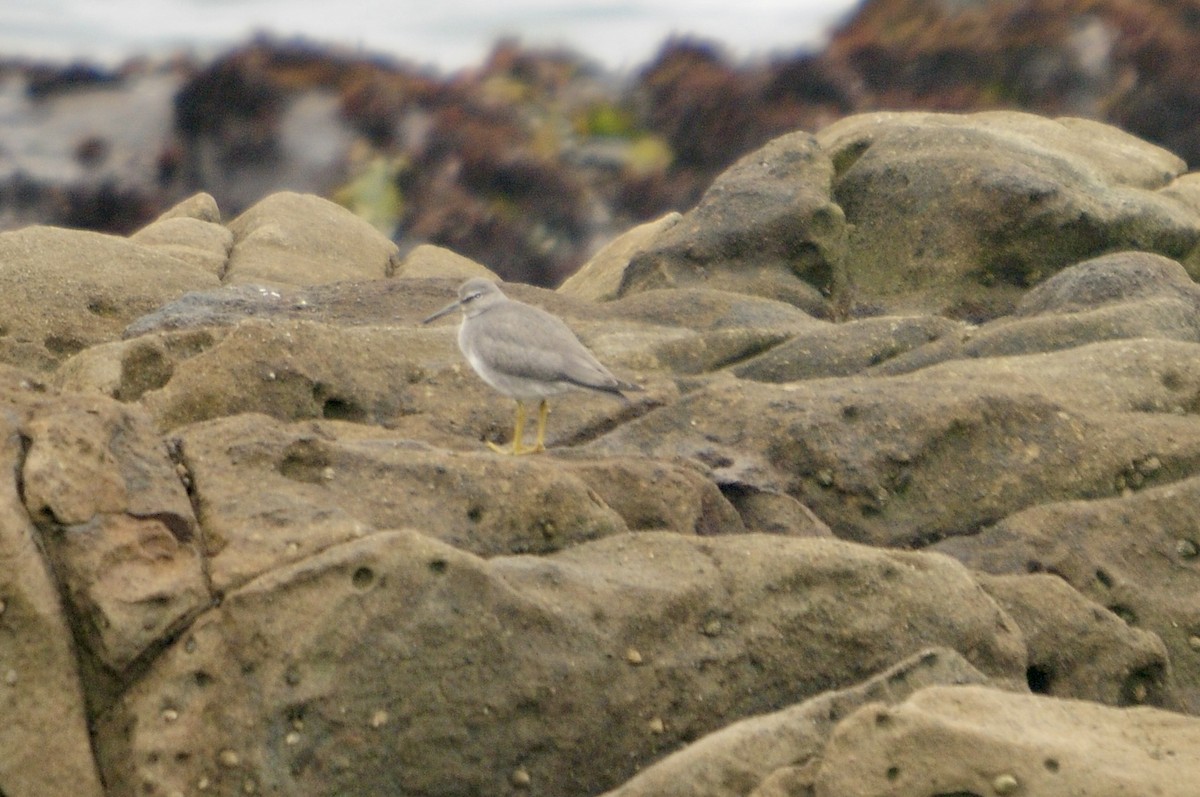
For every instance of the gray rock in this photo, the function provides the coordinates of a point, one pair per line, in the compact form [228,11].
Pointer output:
[911,459]
[115,523]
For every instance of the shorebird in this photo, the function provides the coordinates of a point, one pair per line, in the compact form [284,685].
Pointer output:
[525,353]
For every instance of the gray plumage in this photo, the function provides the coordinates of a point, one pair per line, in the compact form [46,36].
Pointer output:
[523,351]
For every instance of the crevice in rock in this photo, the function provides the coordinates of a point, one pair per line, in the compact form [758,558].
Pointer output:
[184,471]
[587,434]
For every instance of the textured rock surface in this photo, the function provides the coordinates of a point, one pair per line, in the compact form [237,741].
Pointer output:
[1137,555]
[399,662]
[260,546]
[45,740]
[957,214]
[768,226]
[961,740]
[761,754]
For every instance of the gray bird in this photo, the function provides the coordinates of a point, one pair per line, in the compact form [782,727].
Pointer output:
[526,353]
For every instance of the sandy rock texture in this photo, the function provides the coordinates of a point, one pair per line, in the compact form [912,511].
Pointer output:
[907,505]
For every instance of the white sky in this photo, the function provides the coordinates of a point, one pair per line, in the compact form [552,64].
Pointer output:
[448,34]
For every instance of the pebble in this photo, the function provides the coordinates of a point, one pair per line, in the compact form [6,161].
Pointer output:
[520,778]
[379,719]
[229,758]
[1186,548]
[1005,784]
[170,715]
[633,656]
[1194,642]
[657,725]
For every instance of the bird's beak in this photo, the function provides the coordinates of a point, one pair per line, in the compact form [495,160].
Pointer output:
[447,309]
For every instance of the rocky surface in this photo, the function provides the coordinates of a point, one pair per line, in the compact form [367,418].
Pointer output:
[851,539]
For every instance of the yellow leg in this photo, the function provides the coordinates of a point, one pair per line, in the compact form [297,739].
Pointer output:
[518,432]
[543,412]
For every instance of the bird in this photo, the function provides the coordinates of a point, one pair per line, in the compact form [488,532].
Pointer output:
[525,353]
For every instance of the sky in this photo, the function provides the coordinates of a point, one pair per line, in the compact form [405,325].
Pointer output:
[445,34]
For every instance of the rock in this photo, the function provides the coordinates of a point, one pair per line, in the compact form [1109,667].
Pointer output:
[199,206]
[1135,555]
[976,740]
[295,370]
[599,279]
[845,349]
[300,239]
[67,290]
[397,662]
[273,493]
[911,459]
[428,261]
[46,742]
[1080,650]
[767,226]
[739,759]
[959,214]
[201,243]
[1116,278]
[115,522]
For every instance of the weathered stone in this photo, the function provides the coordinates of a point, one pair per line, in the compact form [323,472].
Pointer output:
[45,738]
[399,663]
[599,279]
[975,740]
[1130,554]
[66,290]
[273,493]
[300,239]
[914,458]
[959,214]
[1078,649]
[203,244]
[435,262]
[116,522]
[738,759]
[767,226]
[845,349]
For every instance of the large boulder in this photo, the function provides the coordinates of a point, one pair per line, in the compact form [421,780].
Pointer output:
[301,239]
[1137,554]
[272,494]
[1122,295]
[976,740]
[960,214]
[911,459]
[67,290]
[46,742]
[765,752]
[767,226]
[397,663]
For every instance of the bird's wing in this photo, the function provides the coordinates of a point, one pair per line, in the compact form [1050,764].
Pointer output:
[532,344]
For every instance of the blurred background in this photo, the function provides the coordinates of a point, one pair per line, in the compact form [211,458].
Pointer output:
[525,134]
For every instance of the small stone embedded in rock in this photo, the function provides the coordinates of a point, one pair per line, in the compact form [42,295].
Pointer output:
[1005,784]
